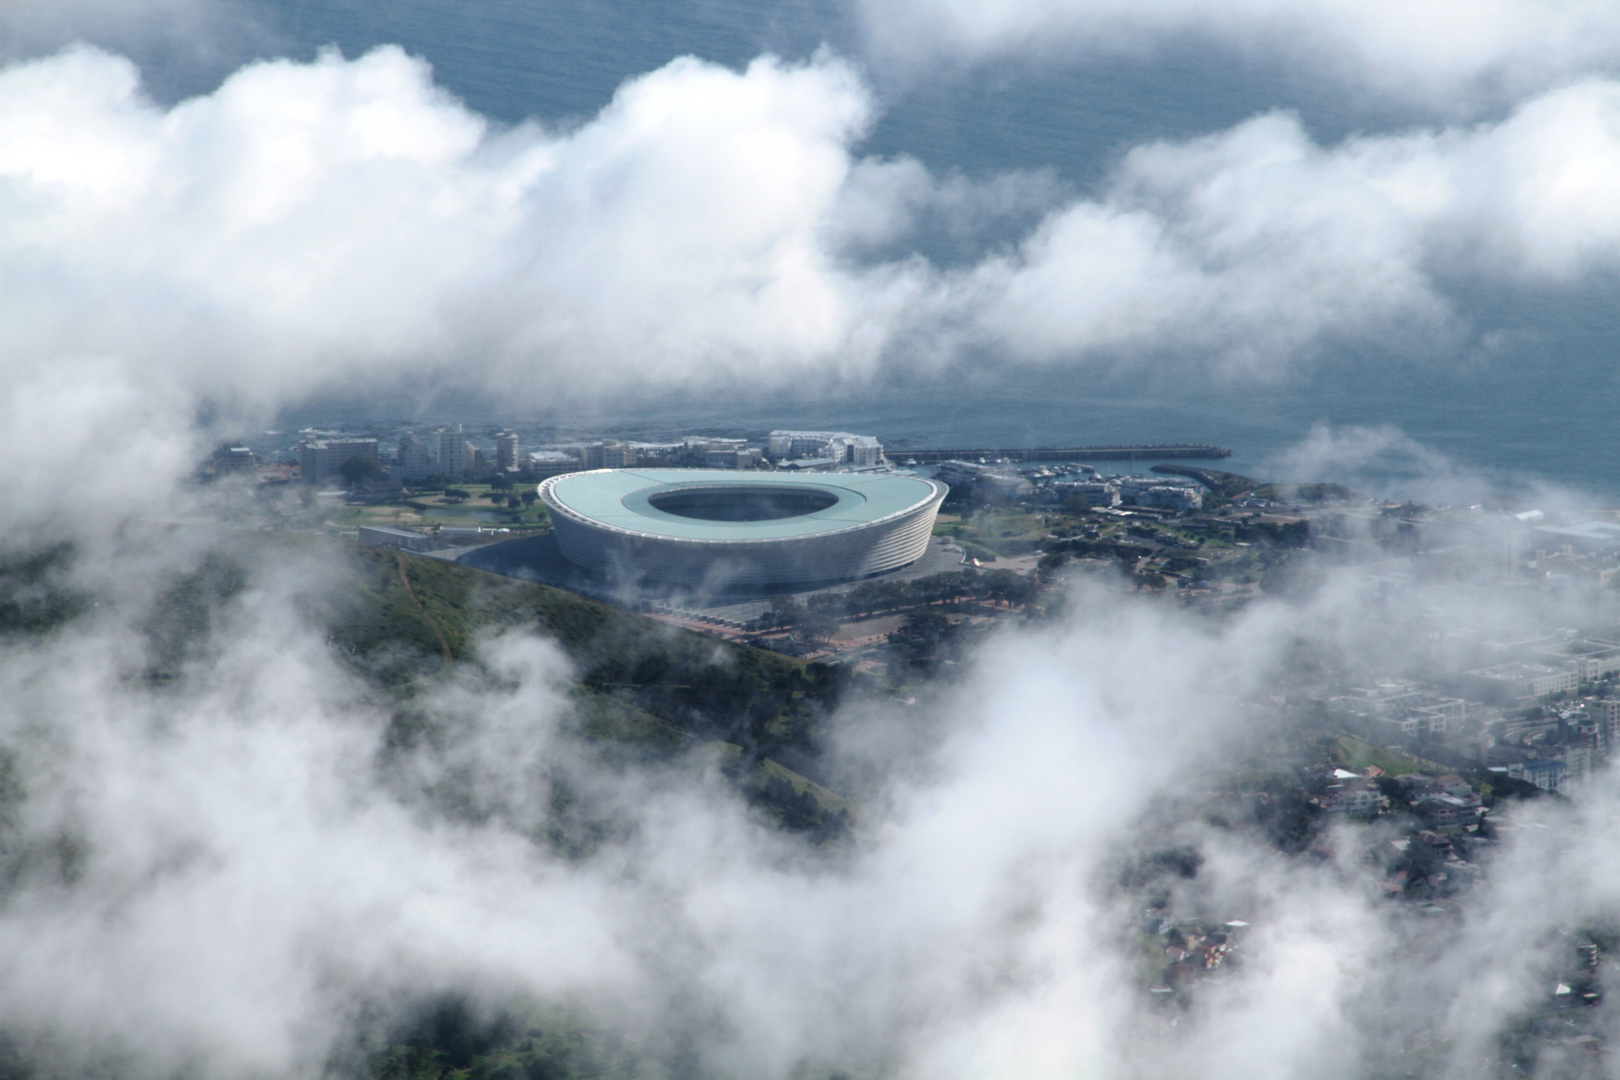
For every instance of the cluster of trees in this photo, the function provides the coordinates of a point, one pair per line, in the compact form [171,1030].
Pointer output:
[872,597]
[926,638]
[1121,550]
[358,471]
[817,617]
[1289,534]
[785,613]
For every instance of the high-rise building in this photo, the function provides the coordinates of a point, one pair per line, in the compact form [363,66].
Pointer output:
[413,458]
[618,455]
[449,449]
[506,451]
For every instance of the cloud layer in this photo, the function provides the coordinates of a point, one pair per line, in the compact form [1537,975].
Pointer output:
[1445,53]
[309,226]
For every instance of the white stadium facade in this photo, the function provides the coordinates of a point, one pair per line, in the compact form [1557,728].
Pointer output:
[720,528]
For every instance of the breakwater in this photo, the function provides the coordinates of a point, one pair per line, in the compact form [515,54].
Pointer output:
[1066,453]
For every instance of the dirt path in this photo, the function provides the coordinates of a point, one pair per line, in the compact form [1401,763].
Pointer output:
[404,578]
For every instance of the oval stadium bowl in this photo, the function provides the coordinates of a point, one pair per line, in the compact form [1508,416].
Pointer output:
[716,528]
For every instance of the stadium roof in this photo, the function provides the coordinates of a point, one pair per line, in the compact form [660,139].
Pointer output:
[619,498]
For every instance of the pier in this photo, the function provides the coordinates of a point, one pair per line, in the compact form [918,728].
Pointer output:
[1064,453]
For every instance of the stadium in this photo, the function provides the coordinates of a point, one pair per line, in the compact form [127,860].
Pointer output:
[720,529]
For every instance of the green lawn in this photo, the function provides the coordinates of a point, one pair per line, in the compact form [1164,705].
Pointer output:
[1351,752]
[1004,531]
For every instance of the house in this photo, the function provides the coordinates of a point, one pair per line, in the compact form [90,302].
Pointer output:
[1352,794]
[1445,811]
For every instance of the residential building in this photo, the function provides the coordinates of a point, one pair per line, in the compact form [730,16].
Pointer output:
[412,462]
[1401,706]
[1546,774]
[547,463]
[1445,811]
[449,449]
[234,459]
[720,459]
[1606,712]
[506,451]
[1353,795]
[1520,680]
[321,461]
[860,451]
[1577,759]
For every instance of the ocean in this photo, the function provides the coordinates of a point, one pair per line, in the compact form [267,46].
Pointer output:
[1542,411]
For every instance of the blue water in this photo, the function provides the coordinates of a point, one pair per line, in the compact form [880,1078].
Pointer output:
[1544,409]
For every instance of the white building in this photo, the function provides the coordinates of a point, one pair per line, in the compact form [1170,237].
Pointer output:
[1403,707]
[449,450]
[1159,491]
[849,449]
[1590,659]
[1522,680]
[618,455]
[1171,497]
[1545,774]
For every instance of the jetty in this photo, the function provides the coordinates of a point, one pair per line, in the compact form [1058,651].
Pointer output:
[1065,453]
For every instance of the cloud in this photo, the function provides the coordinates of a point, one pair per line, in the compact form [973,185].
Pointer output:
[311,223]
[1259,247]
[345,226]
[250,868]
[1439,52]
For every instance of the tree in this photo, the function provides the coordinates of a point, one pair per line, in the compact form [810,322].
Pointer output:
[358,470]
[1075,505]
[825,603]
[818,629]
[923,636]
[529,498]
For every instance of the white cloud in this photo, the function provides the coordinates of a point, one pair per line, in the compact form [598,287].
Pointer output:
[307,223]
[1257,246]
[1452,53]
